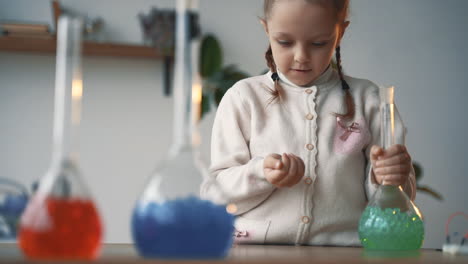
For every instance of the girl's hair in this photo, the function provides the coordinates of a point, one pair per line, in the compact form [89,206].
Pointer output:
[342,9]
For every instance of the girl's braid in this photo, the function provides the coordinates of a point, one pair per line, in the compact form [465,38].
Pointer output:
[344,85]
[271,64]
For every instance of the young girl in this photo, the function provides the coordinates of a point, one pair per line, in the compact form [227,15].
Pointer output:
[292,147]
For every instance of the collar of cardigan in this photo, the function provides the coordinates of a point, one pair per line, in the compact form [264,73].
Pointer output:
[327,79]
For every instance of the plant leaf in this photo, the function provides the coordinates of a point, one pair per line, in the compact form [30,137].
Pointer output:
[225,79]
[205,105]
[211,56]
[418,171]
[431,192]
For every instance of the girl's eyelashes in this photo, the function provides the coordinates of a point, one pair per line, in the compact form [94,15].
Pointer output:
[319,44]
[284,43]
[287,43]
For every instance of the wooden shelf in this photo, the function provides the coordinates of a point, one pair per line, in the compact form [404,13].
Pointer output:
[48,45]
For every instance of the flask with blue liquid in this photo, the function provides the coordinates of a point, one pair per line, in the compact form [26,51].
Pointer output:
[170,219]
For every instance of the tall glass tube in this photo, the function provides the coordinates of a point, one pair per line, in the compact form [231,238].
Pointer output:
[61,220]
[391,221]
[170,219]
[387,120]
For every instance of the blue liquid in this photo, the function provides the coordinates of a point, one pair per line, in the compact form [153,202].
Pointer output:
[10,212]
[187,228]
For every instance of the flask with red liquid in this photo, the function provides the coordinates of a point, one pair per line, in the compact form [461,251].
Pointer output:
[61,220]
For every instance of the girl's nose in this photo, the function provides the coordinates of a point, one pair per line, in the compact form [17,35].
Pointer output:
[301,55]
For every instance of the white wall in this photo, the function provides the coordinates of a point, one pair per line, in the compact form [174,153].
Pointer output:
[419,46]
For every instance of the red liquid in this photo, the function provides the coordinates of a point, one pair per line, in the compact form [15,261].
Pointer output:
[69,229]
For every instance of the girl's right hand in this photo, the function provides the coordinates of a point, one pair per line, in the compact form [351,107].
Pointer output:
[283,170]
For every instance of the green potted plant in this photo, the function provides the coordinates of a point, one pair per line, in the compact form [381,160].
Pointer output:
[216,78]
[424,188]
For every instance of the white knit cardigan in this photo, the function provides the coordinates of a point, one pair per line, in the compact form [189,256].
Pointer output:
[325,207]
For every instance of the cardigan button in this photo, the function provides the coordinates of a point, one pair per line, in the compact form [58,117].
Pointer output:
[305,219]
[308,181]
[310,146]
[309,116]
[309,91]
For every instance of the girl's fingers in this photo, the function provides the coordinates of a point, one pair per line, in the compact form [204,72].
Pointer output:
[293,168]
[392,179]
[273,161]
[275,176]
[375,152]
[395,169]
[299,173]
[286,163]
[392,151]
[290,178]
[301,170]
[289,172]
[402,158]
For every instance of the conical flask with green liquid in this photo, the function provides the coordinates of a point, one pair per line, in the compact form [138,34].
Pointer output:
[391,221]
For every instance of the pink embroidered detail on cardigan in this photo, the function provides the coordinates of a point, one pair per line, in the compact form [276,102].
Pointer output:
[238,233]
[353,128]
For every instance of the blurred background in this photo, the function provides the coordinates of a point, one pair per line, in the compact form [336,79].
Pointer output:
[418,46]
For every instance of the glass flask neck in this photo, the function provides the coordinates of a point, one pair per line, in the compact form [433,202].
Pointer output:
[392,132]
[68,91]
[187,83]
[392,197]
[387,117]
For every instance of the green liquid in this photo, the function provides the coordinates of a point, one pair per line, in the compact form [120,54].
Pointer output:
[390,229]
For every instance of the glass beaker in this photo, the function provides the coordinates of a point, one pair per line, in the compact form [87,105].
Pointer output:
[391,221]
[170,219]
[13,199]
[61,220]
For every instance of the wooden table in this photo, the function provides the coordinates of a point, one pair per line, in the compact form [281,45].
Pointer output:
[262,254]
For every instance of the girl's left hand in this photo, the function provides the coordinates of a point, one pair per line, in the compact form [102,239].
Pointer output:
[391,166]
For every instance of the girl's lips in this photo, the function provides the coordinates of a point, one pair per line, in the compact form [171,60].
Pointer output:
[298,70]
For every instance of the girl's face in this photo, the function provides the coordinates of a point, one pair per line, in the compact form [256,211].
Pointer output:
[303,37]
